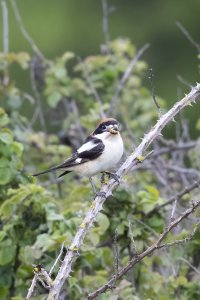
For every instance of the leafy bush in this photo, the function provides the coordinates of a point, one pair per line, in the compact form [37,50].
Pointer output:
[38,215]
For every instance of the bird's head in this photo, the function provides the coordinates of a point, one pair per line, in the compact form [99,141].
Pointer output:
[107,125]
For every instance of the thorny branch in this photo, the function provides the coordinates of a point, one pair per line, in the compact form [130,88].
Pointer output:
[37,277]
[107,189]
[137,258]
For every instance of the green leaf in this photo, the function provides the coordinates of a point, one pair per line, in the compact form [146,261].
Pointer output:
[17,298]
[53,99]
[44,242]
[6,136]
[30,254]
[103,223]
[4,292]
[67,56]
[2,235]
[4,120]
[6,172]
[94,238]
[60,72]
[7,252]
[152,190]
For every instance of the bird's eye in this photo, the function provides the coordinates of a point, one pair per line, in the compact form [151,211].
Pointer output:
[103,126]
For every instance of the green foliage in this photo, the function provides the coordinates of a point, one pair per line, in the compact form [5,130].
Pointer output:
[38,215]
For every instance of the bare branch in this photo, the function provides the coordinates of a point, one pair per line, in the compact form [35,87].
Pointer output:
[106,191]
[5,27]
[190,265]
[182,241]
[105,24]
[32,287]
[25,33]
[5,41]
[172,147]
[133,248]
[92,88]
[178,196]
[125,76]
[39,271]
[38,110]
[183,81]
[116,251]
[188,36]
[150,76]
[147,252]
[57,259]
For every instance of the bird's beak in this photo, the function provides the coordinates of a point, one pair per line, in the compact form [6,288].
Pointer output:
[114,129]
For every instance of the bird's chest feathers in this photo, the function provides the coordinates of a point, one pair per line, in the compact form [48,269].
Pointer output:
[113,150]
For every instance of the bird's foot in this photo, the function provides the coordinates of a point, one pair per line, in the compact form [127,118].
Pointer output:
[100,194]
[114,176]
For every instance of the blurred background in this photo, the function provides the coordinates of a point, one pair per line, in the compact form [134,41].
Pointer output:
[49,103]
[75,25]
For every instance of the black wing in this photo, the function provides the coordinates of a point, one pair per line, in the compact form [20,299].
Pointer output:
[79,157]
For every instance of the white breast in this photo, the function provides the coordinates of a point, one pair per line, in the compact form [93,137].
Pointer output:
[111,155]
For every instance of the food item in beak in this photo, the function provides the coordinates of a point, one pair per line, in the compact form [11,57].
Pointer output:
[114,130]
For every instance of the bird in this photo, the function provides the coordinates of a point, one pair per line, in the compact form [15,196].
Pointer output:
[100,153]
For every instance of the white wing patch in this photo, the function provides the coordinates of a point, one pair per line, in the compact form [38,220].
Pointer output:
[78,160]
[86,147]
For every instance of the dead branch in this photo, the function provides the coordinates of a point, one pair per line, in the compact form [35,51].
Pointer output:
[138,258]
[25,33]
[134,158]
[126,75]
[5,34]
[188,36]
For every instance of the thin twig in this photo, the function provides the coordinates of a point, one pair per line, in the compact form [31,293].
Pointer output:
[145,226]
[116,252]
[5,27]
[174,147]
[147,252]
[43,283]
[92,88]
[5,34]
[173,210]
[46,284]
[105,24]
[130,233]
[190,265]
[178,196]
[106,191]
[57,259]
[39,108]
[188,36]
[25,33]
[32,287]
[47,277]
[182,241]
[126,75]
[150,76]
[185,82]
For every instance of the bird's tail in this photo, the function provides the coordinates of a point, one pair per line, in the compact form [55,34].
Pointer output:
[47,171]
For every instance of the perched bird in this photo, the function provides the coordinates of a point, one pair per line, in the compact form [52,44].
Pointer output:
[100,152]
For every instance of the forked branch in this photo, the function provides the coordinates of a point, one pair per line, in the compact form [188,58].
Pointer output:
[134,158]
[157,245]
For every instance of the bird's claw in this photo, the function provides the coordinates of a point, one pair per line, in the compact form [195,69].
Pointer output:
[100,194]
[114,176]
